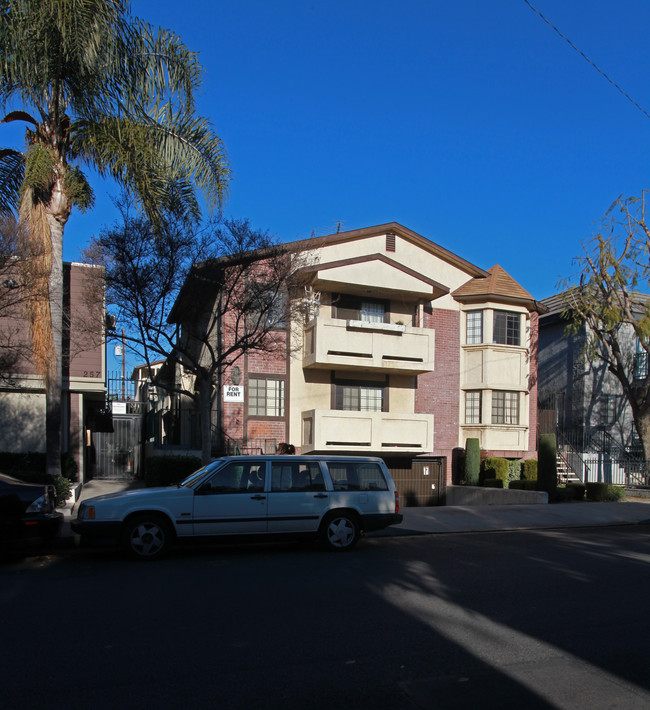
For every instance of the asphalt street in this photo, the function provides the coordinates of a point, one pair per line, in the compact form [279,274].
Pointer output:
[553,618]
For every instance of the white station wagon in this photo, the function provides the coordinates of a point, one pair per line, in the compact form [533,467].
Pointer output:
[334,498]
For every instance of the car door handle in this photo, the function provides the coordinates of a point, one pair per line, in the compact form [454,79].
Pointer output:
[258,497]
[321,495]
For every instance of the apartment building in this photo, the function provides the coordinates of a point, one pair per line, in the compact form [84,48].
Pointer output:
[22,390]
[405,351]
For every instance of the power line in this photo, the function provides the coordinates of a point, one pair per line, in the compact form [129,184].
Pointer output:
[586,58]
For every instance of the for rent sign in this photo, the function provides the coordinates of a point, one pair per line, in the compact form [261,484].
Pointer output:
[233,393]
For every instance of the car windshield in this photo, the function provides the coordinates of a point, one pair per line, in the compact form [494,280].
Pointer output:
[196,477]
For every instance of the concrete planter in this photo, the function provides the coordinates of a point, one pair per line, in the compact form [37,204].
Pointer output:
[476,495]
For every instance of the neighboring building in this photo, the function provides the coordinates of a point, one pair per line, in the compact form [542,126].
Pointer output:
[581,400]
[407,351]
[22,392]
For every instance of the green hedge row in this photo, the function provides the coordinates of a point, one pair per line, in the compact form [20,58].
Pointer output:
[523,485]
[604,492]
[169,470]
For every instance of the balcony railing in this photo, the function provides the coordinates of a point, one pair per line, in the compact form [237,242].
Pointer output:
[379,347]
[372,432]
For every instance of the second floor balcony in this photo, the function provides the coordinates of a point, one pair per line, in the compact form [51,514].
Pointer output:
[376,347]
[370,432]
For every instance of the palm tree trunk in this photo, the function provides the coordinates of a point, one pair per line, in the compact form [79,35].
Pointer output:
[54,385]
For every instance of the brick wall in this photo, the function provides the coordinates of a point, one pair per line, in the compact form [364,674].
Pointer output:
[438,391]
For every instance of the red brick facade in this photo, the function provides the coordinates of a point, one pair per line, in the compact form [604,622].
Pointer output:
[438,391]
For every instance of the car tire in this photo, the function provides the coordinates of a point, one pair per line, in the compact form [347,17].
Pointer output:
[340,531]
[146,536]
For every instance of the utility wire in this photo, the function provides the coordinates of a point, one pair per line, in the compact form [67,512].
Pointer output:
[586,58]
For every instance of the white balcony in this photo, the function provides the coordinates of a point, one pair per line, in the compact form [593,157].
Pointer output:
[375,347]
[370,432]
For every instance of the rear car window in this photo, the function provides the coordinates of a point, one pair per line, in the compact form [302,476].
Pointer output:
[351,476]
[296,476]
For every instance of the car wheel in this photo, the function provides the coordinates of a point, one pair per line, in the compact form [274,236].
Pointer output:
[147,537]
[340,531]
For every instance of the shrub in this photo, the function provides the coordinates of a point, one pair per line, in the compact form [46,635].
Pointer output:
[529,469]
[523,485]
[472,461]
[63,487]
[494,467]
[547,465]
[30,467]
[562,494]
[604,492]
[169,470]
[492,483]
[514,470]
[578,490]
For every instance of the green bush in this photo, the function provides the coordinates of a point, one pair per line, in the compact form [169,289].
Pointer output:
[30,467]
[547,465]
[169,470]
[529,469]
[604,492]
[562,494]
[523,485]
[492,483]
[578,490]
[472,461]
[514,470]
[494,467]
[63,487]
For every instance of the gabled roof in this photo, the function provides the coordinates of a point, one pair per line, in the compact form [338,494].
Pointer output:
[559,302]
[391,228]
[497,286]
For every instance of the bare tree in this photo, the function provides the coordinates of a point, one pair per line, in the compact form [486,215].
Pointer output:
[199,296]
[19,292]
[610,300]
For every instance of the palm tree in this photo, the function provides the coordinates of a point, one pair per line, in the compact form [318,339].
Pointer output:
[99,89]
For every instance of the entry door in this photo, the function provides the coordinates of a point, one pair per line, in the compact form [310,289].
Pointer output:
[298,497]
[233,501]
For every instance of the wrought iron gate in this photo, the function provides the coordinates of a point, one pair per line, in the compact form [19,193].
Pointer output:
[118,453]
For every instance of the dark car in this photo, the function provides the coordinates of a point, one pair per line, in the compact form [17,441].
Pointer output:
[28,513]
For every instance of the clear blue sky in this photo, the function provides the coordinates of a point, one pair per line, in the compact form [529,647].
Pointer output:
[471,122]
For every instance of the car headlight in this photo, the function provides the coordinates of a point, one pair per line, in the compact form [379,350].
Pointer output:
[39,505]
[86,512]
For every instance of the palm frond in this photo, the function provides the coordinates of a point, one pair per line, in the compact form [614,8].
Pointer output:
[12,173]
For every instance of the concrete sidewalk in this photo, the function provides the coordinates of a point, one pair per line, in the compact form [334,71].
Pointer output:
[459,519]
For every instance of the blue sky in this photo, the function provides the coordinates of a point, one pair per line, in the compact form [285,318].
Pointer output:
[470,122]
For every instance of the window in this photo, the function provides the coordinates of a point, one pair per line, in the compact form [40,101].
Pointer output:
[237,477]
[507,328]
[474,327]
[359,397]
[348,476]
[370,310]
[473,407]
[265,397]
[294,476]
[608,409]
[640,362]
[505,407]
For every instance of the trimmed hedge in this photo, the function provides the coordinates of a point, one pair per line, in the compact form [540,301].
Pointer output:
[472,461]
[578,490]
[30,466]
[547,465]
[529,469]
[492,483]
[494,467]
[523,485]
[604,492]
[169,470]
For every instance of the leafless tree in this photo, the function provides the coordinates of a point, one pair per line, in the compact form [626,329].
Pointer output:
[198,295]
[611,298]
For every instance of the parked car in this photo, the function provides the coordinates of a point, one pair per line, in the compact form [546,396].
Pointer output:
[28,514]
[333,498]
